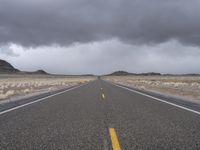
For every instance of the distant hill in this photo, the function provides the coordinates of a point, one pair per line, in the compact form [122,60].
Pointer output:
[6,67]
[120,73]
[150,74]
[37,72]
[124,73]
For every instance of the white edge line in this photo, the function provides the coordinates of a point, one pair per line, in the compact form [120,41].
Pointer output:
[158,99]
[38,100]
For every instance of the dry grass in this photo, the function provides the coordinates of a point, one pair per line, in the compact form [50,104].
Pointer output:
[182,86]
[12,85]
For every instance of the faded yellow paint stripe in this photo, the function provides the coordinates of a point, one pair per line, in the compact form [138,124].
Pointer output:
[114,139]
[103,95]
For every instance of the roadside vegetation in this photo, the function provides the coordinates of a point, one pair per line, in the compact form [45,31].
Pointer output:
[16,85]
[187,87]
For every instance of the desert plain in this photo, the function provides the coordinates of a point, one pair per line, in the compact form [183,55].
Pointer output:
[15,85]
[185,87]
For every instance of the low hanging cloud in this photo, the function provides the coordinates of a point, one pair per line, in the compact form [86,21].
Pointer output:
[108,56]
[7,51]
[37,23]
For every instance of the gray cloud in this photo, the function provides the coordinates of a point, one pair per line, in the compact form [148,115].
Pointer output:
[46,22]
[7,50]
[94,36]
[108,56]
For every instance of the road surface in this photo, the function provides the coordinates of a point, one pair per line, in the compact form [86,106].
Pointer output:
[99,116]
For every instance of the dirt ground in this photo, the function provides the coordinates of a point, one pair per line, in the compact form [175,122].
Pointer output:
[187,87]
[15,85]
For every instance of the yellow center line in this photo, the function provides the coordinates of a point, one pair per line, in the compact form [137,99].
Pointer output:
[114,139]
[103,95]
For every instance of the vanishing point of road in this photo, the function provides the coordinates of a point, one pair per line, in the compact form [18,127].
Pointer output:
[99,116]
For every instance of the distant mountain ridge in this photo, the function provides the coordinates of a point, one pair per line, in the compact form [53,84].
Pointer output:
[120,73]
[36,72]
[124,73]
[6,67]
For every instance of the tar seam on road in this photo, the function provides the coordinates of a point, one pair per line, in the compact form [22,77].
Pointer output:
[38,100]
[158,99]
[114,139]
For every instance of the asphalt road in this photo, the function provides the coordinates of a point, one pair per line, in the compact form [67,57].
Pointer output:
[99,116]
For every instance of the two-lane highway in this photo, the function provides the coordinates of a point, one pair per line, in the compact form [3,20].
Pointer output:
[101,116]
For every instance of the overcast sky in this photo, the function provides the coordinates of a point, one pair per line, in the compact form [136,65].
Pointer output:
[96,36]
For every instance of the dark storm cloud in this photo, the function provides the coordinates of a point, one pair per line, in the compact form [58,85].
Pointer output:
[63,22]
